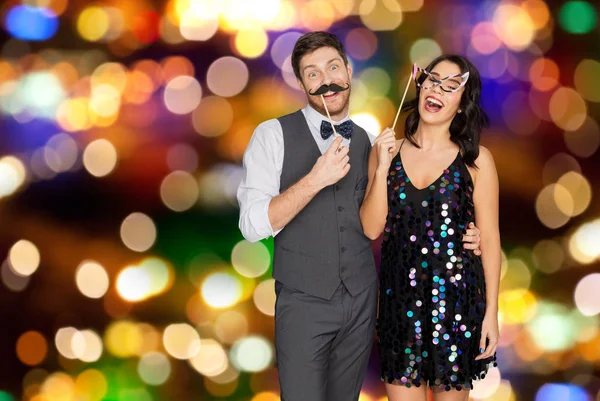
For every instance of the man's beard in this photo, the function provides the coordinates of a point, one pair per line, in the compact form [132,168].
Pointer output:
[317,104]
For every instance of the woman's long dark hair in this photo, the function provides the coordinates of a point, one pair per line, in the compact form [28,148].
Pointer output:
[467,125]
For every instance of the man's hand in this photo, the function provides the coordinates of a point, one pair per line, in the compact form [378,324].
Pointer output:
[472,240]
[331,166]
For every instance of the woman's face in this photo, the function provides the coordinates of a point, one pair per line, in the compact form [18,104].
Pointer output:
[436,106]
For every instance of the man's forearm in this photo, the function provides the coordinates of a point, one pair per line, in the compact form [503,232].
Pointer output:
[285,206]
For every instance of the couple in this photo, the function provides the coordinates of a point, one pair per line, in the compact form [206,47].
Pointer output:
[325,198]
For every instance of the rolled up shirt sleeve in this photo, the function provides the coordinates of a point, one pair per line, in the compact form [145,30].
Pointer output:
[262,162]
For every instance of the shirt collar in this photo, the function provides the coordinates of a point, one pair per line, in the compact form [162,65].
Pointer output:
[315,118]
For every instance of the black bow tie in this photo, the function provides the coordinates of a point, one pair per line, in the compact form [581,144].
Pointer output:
[344,129]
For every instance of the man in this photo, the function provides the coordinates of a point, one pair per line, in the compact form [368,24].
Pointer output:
[299,176]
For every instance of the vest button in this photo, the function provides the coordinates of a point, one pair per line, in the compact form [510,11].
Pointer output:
[343,268]
[337,187]
[342,229]
[340,208]
[344,249]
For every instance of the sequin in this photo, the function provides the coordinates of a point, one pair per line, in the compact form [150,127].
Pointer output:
[431,281]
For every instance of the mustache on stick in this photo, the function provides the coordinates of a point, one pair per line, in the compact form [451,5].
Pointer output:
[326,88]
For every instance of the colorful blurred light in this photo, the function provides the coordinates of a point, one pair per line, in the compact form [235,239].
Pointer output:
[368,122]
[211,359]
[250,259]
[179,191]
[64,342]
[87,346]
[91,384]
[93,23]
[584,141]
[12,280]
[61,153]
[264,297]
[517,306]
[91,279]
[552,327]
[221,290]
[123,338]
[133,284]
[553,206]
[32,348]
[577,17]
[12,175]
[423,51]
[40,93]
[24,257]
[182,94]
[568,110]
[251,43]
[557,166]
[251,354]
[283,46]
[227,76]
[583,244]
[561,392]
[160,274]
[183,157]
[544,74]
[317,15]
[484,38]
[514,26]
[203,116]
[138,232]
[154,368]
[58,386]
[194,27]
[580,190]
[380,15]
[231,326]
[31,23]
[587,296]
[548,256]
[538,12]
[181,341]
[100,157]
[585,79]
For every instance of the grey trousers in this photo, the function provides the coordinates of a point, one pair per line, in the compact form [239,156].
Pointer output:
[323,346]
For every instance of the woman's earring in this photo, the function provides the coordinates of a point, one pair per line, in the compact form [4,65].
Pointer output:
[459,111]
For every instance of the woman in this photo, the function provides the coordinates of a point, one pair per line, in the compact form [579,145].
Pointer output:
[438,307]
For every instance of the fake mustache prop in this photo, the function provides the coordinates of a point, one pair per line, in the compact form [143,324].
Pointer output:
[324,89]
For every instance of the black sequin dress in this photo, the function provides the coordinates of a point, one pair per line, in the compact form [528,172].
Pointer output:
[432,300]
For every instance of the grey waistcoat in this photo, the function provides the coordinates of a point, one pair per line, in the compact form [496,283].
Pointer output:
[324,244]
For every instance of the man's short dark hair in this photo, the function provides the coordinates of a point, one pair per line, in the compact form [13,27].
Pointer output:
[312,41]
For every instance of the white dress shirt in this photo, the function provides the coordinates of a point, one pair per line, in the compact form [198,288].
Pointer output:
[263,162]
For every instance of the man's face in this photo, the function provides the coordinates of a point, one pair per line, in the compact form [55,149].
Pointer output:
[323,67]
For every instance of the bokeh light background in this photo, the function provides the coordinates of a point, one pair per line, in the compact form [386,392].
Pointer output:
[123,124]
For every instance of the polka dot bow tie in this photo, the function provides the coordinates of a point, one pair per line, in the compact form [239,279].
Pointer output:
[344,129]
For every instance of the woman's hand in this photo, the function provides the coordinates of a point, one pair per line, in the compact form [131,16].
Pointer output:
[489,331]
